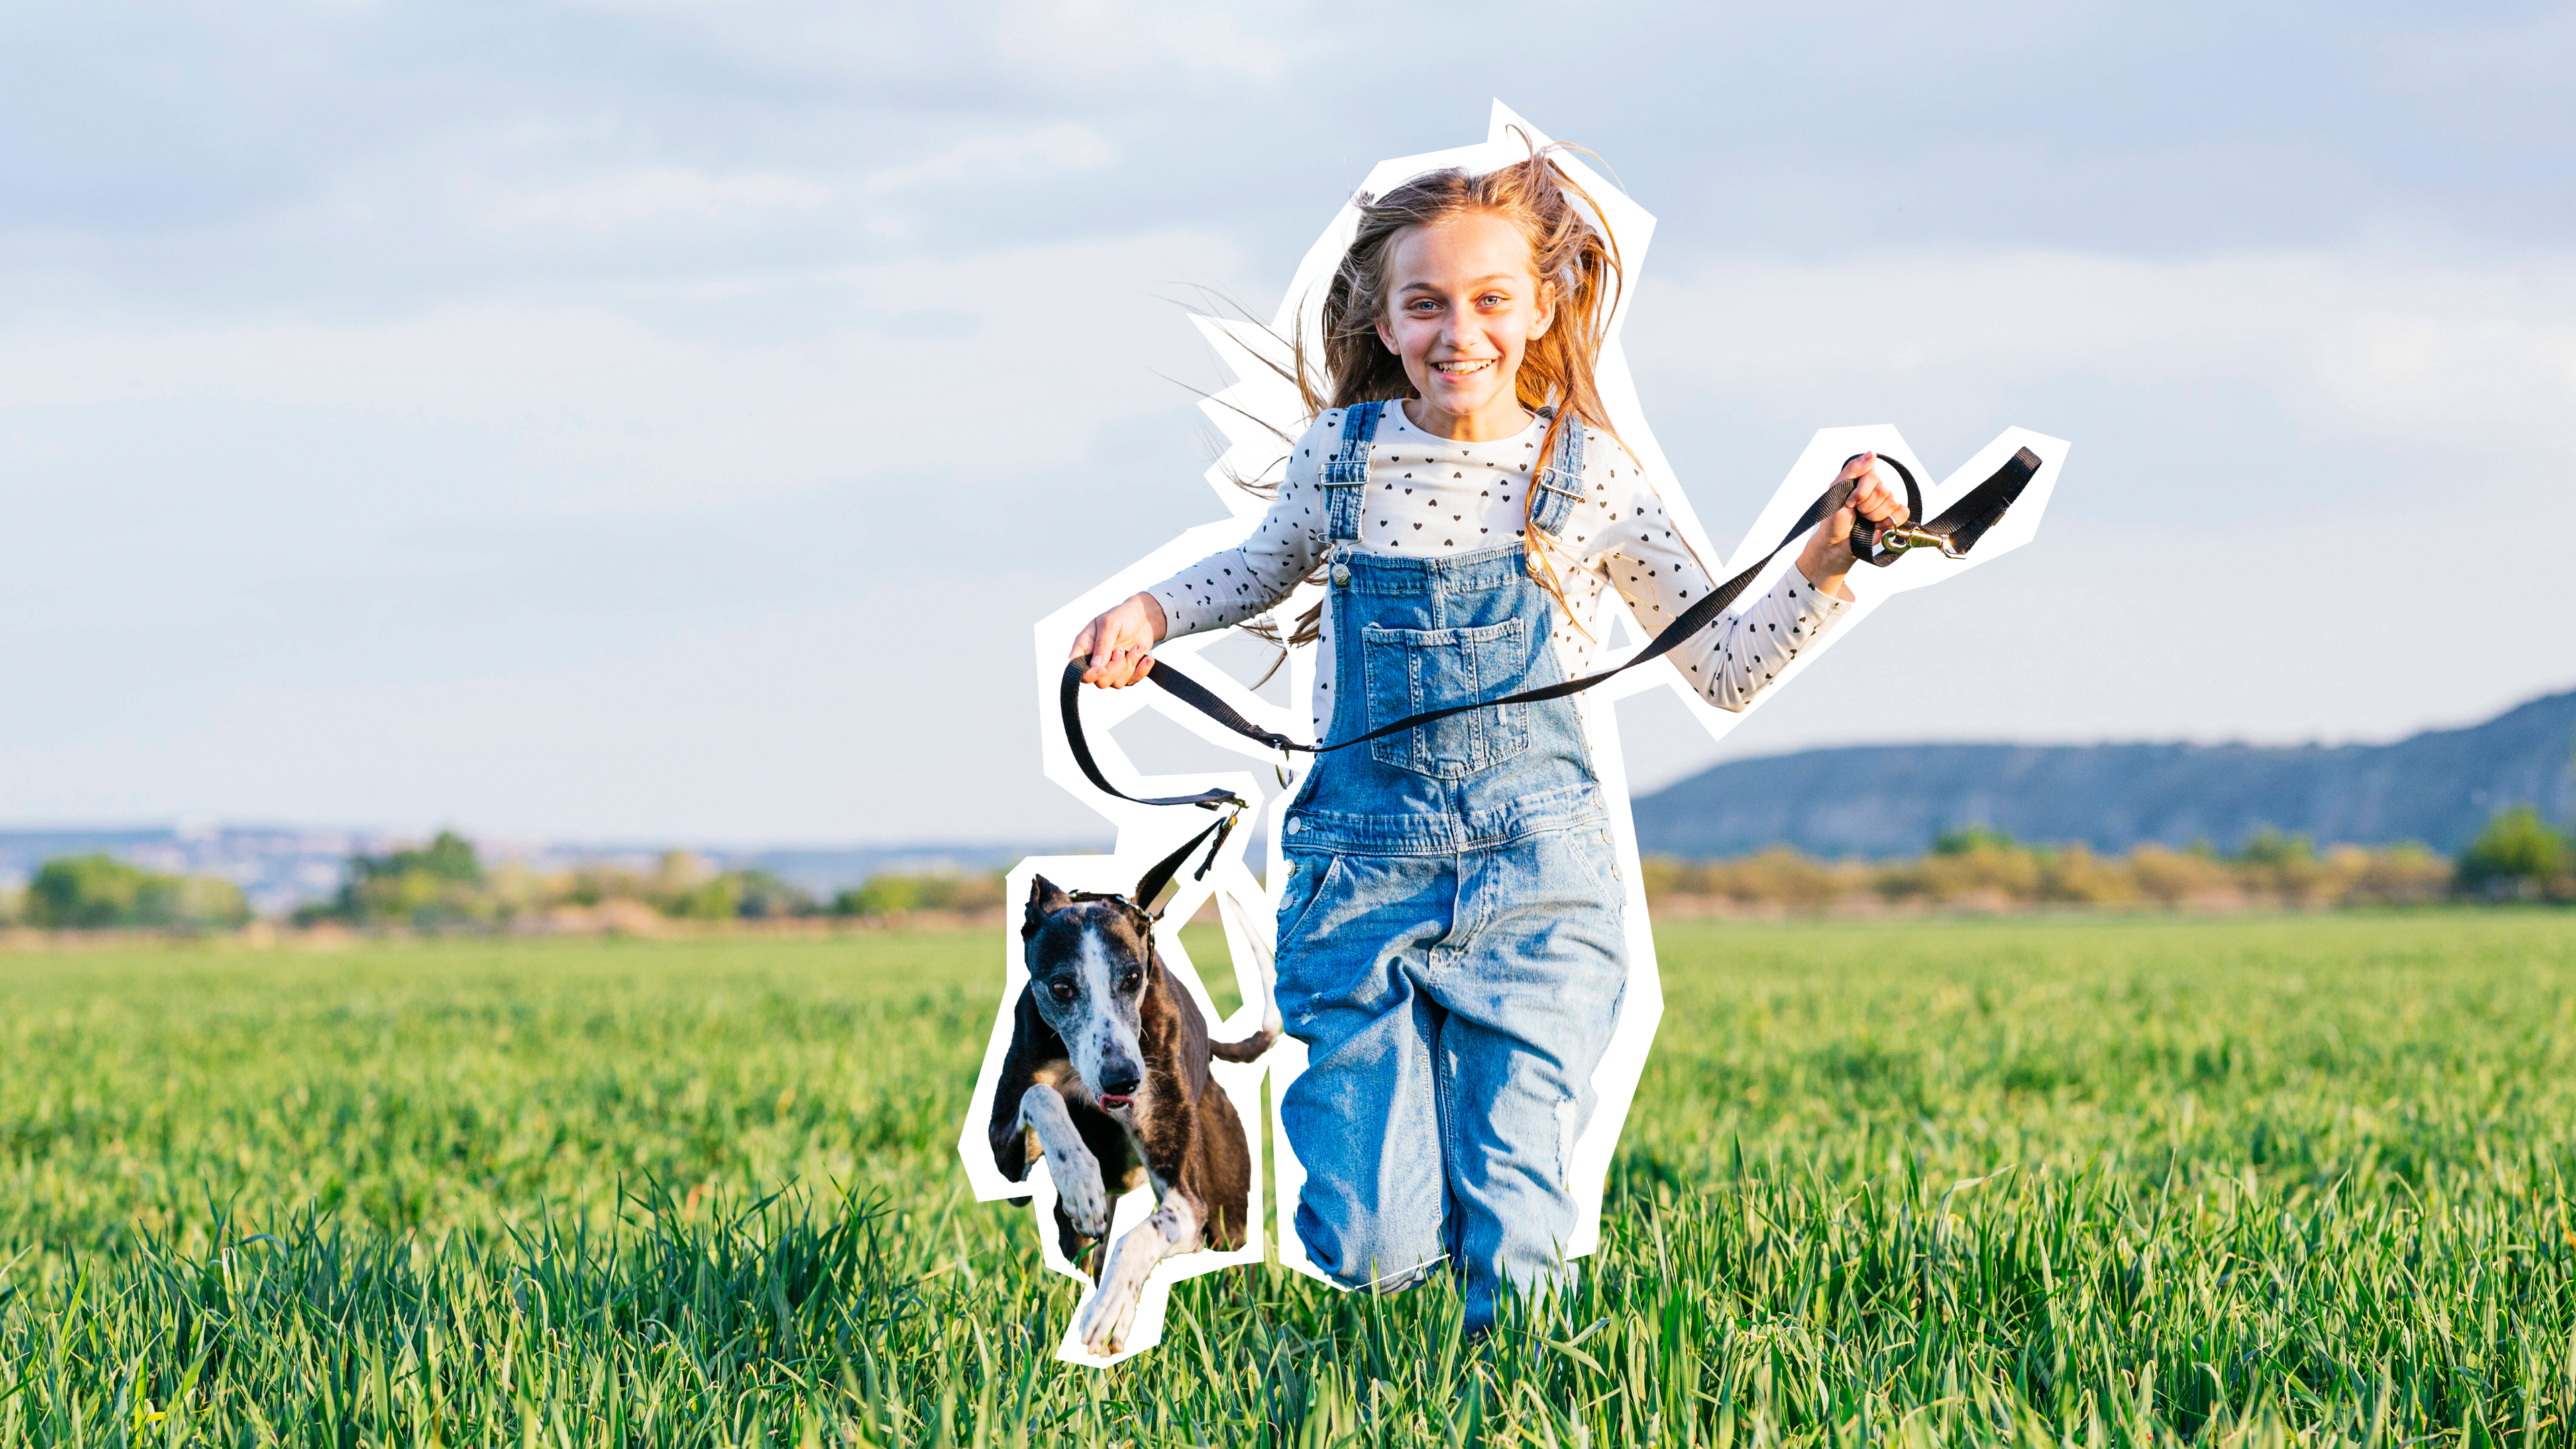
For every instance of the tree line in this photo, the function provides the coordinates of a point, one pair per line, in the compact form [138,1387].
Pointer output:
[2519,856]
[446,886]
[97,892]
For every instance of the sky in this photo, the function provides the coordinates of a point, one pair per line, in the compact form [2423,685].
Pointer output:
[663,419]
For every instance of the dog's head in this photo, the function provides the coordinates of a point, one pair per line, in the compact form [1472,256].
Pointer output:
[1090,964]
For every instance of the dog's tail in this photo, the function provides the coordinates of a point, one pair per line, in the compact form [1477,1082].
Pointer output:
[1250,1048]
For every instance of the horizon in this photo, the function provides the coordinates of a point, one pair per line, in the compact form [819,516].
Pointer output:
[503,844]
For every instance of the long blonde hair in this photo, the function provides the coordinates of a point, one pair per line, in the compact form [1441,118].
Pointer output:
[1575,259]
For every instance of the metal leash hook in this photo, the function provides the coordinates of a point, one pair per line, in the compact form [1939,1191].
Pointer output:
[1881,544]
[1898,540]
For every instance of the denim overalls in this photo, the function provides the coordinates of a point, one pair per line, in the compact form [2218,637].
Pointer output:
[1451,947]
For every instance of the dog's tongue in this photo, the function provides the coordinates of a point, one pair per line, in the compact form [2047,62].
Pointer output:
[1114,1100]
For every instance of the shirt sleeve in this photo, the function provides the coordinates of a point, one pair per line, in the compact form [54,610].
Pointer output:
[1734,659]
[1250,579]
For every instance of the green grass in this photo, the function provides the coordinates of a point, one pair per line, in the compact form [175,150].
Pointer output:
[2072,1180]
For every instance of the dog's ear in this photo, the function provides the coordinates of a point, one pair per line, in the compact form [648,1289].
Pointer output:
[1045,899]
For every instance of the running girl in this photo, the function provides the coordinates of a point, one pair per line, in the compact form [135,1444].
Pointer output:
[1451,948]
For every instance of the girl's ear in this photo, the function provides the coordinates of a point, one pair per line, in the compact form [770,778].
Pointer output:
[1386,335]
[1546,311]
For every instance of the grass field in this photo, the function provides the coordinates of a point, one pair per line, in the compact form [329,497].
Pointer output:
[2043,1180]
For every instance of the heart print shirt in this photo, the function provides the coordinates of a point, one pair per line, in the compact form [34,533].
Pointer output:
[1429,496]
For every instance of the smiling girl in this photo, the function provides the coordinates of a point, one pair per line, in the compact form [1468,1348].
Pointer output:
[1451,948]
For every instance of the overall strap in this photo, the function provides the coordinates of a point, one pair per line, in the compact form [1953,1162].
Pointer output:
[1347,469]
[1559,484]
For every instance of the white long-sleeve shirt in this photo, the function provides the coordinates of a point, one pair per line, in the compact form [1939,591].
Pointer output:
[1428,496]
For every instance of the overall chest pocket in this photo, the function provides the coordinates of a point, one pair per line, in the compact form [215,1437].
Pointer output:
[1412,670]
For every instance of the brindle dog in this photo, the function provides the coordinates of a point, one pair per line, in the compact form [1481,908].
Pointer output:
[1108,1077]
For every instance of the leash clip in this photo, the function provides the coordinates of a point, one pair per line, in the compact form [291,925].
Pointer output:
[1898,540]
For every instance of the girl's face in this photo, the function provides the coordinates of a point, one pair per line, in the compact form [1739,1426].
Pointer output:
[1462,307]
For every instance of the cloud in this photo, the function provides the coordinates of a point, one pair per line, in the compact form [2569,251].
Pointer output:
[642,194]
[1121,41]
[2365,349]
[546,552]
[521,407]
[999,160]
[1053,47]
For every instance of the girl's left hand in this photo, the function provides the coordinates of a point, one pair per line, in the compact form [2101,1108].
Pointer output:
[1828,556]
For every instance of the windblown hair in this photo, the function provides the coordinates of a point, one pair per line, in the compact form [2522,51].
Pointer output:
[1574,258]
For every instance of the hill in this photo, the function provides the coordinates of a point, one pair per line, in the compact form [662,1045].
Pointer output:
[2437,787]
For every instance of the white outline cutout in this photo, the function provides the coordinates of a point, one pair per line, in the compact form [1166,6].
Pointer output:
[1261,399]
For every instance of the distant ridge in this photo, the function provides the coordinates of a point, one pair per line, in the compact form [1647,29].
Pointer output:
[2438,787]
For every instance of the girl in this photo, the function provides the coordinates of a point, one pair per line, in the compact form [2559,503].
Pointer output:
[1451,947]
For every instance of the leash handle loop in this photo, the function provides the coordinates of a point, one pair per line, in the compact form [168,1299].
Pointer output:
[1069,703]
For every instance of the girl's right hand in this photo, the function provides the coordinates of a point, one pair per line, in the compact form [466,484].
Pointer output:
[1120,643]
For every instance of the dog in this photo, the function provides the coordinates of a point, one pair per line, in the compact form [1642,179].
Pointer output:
[1107,1078]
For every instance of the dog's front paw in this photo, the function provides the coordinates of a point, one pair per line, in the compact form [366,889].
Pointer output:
[1111,1313]
[1079,1193]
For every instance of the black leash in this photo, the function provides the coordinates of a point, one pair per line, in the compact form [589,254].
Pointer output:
[1156,879]
[1160,876]
[1953,533]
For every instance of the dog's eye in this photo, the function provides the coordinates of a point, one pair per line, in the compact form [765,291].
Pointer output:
[1063,990]
[1131,980]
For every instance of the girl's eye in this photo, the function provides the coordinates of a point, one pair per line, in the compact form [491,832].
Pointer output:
[1492,299]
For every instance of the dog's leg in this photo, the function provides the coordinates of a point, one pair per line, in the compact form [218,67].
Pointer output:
[1079,1192]
[1174,1228]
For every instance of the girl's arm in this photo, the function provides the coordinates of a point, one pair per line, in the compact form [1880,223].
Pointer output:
[1226,588]
[1733,660]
